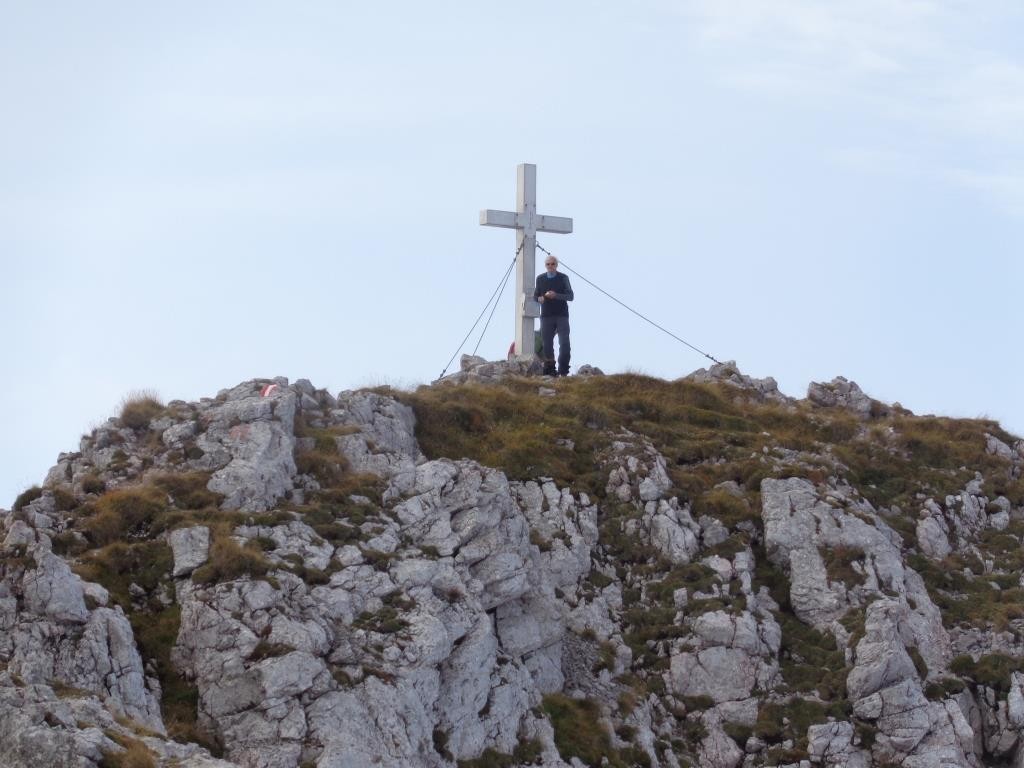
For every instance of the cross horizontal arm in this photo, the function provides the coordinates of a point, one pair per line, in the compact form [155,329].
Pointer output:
[556,224]
[491,218]
[510,220]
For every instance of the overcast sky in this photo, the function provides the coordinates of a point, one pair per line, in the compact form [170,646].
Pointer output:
[195,194]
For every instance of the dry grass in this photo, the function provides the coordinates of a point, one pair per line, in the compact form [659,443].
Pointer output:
[120,564]
[780,723]
[134,754]
[229,560]
[526,753]
[839,564]
[971,601]
[26,497]
[579,733]
[188,490]
[139,407]
[993,670]
[126,513]
[708,434]
[93,483]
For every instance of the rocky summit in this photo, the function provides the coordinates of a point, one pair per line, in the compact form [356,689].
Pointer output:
[504,570]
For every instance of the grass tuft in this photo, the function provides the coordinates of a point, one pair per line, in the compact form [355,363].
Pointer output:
[124,513]
[229,561]
[134,754]
[26,497]
[139,408]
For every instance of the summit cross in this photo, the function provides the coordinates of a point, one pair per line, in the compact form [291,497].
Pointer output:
[527,224]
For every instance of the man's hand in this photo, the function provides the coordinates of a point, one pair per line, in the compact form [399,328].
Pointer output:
[549,295]
[540,299]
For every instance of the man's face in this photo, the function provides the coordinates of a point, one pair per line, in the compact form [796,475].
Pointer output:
[551,265]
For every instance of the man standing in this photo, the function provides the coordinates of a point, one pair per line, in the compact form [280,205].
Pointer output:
[554,294]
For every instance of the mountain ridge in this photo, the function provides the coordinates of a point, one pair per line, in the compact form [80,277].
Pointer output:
[506,570]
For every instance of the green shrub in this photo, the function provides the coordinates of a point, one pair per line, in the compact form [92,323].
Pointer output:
[27,497]
[188,490]
[329,469]
[386,621]
[724,506]
[18,557]
[606,656]
[853,622]
[378,559]
[919,662]
[340,533]
[526,753]
[156,633]
[646,623]
[940,689]
[578,730]
[777,722]
[969,601]
[64,500]
[119,565]
[310,575]
[730,547]
[267,650]
[440,737]
[839,564]
[124,513]
[992,670]
[698,703]
[810,660]
[694,732]
[93,484]
[697,577]
[538,540]
[229,561]
[738,733]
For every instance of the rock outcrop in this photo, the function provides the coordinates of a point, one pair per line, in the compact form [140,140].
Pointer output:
[280,577]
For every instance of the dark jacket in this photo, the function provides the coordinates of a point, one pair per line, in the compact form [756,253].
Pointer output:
[558,306]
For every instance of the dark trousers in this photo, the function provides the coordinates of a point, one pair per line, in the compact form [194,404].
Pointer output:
[549,326]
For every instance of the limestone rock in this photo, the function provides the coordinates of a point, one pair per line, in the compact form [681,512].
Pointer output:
[735,654]
[672,531]
[295,539]
[255,435]
[716,749]
[831,745]
[728,373]
[427,627]
[638,471]
[997,447]
[881,659]
[932,537]
[38,728]
[52,590]
[801,530]
[191,547]
[840,393]
[385,444]
[901,714]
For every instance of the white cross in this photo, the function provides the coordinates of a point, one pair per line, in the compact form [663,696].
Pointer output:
[527,224]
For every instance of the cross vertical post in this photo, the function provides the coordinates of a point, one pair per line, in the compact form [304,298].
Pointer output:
[527,224]
[526,308]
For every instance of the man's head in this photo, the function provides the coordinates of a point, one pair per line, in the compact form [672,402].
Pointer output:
[551,265]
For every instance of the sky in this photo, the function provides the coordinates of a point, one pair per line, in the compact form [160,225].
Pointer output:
[197,194]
